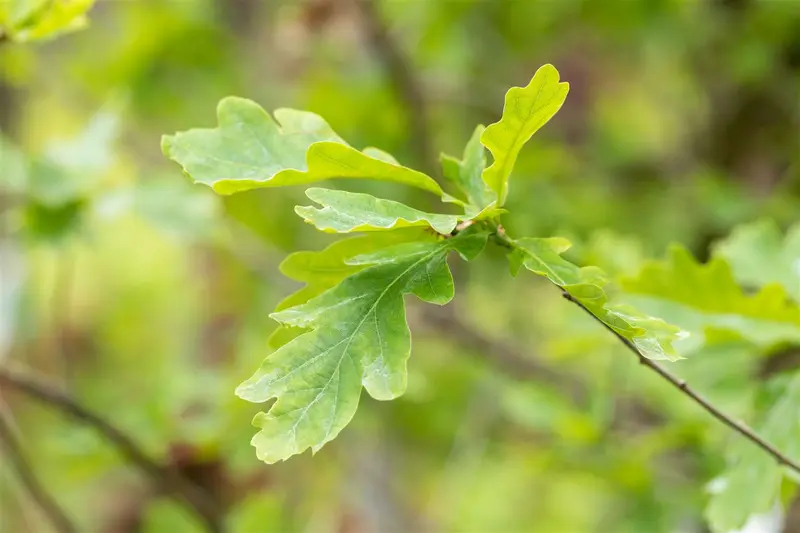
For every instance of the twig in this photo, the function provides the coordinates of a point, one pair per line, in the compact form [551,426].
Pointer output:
[13,448]
[500,238]
[405,82]
[682,386]
[173,483]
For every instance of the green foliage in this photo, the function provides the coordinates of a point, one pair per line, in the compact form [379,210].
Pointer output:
[346,212]
[55,183]
[359,337]
[526,110]
[521,413]
[326,268]
[467,173]
[33,20]
[751,484]
[652,336]
[250,149]
[346,328]
[705,300]
[759,255]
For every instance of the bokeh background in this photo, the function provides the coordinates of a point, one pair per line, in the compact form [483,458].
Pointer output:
[147,298]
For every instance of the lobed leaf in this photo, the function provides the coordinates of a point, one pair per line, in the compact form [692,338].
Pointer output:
[701,297]
[346,212]
[358,337]
[467,174]
[526,110]
[325,269]
[652,336]
[759,255]
[249,150]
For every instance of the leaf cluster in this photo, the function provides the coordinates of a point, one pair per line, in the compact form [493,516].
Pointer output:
[346,329]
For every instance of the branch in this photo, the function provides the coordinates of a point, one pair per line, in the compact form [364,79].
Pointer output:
[406,84]
[173,483]
[61,522]
[682,386]
[502,355]
[501,239]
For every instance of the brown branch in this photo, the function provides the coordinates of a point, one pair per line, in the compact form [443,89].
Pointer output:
[173,483]
[404,81]
[13,451]
[682,386]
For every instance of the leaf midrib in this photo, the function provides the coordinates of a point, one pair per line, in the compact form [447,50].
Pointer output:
[350,340]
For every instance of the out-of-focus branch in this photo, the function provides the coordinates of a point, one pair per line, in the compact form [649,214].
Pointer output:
[502,355]
[168,480]
[404,81]
[16,458]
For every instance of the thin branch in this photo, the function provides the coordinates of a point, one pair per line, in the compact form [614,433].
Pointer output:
[501,239]
[502,355]
[13,451]
[682,386]
[173,483]
[404,81]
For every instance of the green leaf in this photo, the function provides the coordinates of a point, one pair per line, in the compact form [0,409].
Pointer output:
[698,297]
[359,337]
[526,110]
[346,212]
[325,269]
[467,173]
[250,150]
[53,224]
[759,255]
[652,336]
[68,169]
[32,20]
[751,484]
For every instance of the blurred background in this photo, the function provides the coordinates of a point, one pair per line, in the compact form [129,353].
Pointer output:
[146,299]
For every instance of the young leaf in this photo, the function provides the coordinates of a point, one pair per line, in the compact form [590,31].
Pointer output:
[526,110]
[467,173]
[698,297]
[346,212]
[759,255]
[359,337]
[751,485]
[249,150]
[652,336]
